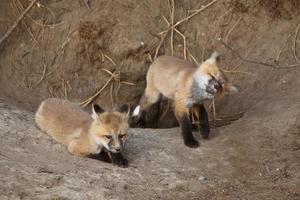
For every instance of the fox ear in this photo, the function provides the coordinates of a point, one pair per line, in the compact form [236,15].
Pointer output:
[231,89]
[215,58]
[125,109]
[96,111]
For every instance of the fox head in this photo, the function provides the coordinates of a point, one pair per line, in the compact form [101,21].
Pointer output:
[109,129]
[213,78]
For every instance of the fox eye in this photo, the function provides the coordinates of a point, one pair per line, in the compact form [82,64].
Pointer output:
[121,136]
[213,77]
[108,136]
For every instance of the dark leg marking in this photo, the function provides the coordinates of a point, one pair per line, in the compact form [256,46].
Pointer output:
[141,119]
[203,122]
[102,156]
[118,159]
[186,128]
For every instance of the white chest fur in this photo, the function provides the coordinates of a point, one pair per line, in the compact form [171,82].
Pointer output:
[97,142]
[198,91]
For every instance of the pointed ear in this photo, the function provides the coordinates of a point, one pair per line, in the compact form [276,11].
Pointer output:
[214,58]
[232,89]
[96,111]
[136,111]
[125,110]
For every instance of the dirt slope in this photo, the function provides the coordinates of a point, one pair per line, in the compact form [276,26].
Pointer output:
[256,157]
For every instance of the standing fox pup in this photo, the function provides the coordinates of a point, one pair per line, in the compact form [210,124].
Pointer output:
[100,136]
[188,86]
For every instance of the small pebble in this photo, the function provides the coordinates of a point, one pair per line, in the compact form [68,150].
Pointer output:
[202,178]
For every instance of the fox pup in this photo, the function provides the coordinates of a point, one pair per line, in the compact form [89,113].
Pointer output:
[99,136]
[188,86]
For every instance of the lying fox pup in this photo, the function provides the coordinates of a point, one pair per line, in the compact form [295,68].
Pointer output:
[189,86]
[100,136]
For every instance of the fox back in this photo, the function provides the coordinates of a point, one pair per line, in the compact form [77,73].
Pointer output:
[168,74]
[62,120]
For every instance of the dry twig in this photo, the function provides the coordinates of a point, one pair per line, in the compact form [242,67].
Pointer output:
[190,16]
[114,76]
[110,59]
[172,23]
[12,28]
[19,11]
[295,39]
[256,62]
[36,22]
[280,51]
[232,28]
[192,57]
[93,97]
[164,33]
[43,76]
[238,72]
[184,42]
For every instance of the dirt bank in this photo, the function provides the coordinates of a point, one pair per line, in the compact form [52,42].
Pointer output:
[69,48]
[257,157]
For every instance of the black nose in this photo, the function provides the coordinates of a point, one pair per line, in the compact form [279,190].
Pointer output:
[217,86]
[117,149]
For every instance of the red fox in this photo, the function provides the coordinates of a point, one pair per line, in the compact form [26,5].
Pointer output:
[188,86]
[99,136]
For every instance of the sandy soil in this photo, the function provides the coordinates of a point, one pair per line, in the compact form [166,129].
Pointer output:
[257,157]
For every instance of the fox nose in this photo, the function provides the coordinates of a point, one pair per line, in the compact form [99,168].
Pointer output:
[217,86]
[117,149]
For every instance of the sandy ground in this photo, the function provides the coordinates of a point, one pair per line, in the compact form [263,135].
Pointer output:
[257,157]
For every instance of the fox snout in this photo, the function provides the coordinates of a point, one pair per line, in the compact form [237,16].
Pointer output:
[115,149]
[115,145]
[213,86]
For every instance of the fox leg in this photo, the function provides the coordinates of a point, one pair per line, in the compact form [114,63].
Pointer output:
[194,114]
[102,156]
[118,159]
[203,121]
[75,148]
[182,115]
[150,97]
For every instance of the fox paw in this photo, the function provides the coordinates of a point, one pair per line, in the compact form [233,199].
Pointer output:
[192,143]
[121,163]
[204,132]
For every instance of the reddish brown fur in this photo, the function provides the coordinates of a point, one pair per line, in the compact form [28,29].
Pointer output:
[184,83]
[66,123]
